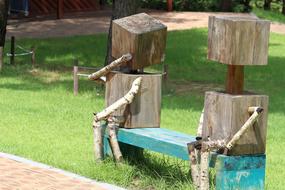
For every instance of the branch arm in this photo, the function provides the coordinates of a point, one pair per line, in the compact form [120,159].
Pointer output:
[105,70]
[127,99]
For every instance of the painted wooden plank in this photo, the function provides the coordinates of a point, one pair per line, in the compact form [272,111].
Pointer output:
[235,163]
[239,172]
[252,179]
[157,139]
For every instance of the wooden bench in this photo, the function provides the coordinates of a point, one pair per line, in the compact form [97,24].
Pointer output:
[232,172]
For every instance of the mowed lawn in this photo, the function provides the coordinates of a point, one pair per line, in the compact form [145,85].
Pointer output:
[43,121]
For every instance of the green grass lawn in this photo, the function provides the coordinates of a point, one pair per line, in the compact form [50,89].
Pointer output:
[43,121]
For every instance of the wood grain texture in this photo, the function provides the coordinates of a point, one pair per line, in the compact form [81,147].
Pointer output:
[225,114]
[142,36]
[144,111]
[238,41]
[235,79]
[121,102]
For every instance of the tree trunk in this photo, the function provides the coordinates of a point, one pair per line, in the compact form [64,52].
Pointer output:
[120,8]
[267,4]
[4,4]
[1,57]
[283,8]
[226,5]
[247,5]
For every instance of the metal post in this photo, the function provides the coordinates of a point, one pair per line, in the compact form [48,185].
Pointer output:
[33,57]
[165,73]
[75,77]
[12,57]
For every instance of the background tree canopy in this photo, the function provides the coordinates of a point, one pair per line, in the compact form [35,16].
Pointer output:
[217,5]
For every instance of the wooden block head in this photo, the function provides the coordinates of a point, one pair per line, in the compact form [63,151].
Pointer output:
[225,114]
[142,36]
[144,111]
[238,40]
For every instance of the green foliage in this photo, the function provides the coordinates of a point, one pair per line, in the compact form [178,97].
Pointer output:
[276,5]
[196,5]
[274,14]
[269,15]
[43,121]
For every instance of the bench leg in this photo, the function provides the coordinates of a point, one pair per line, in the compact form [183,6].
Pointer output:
[128,151]
[240,172]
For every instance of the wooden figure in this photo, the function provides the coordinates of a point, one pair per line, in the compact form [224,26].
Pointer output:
[236,41]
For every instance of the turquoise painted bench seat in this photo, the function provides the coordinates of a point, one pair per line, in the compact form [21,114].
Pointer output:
[157,139]
[232,172]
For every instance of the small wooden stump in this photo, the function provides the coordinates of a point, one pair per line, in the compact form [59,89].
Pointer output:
[142,36]
[238,40]
[225,114]
[144,111]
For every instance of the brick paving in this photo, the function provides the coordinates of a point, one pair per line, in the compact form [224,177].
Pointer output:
[98,22]
[20,174]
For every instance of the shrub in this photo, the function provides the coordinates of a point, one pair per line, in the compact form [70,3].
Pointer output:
[198,5]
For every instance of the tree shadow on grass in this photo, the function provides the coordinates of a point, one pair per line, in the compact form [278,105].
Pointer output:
[38,80]
[186,56]
[173,172]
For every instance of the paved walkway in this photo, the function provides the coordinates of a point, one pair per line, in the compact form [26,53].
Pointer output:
[98,22]
[17,173]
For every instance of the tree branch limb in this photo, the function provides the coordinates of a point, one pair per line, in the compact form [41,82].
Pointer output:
[105,70]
